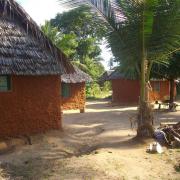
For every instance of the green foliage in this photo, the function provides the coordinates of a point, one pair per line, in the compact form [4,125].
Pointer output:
[68,44]
[177,167]
[81,66]
[88,29]
[107,86]
[80,21]
[88,47]
[140,30]
[170,70]
[96,69]
[50,31]
[94,91]
[93,68]
[174,66]
[154,23]
[78,33]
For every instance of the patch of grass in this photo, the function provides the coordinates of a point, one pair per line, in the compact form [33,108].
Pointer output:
[31,169]
[177,167]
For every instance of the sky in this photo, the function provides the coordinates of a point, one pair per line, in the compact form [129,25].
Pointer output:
[41,10]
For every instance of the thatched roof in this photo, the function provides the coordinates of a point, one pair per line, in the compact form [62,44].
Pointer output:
[105,76]
[24,49]
[77,77]
[119,75]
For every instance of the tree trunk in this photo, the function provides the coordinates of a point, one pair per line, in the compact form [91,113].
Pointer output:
[171,95]
[145,111]
[145,115]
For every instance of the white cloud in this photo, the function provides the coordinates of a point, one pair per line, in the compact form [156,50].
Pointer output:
[41,10]
[106,54]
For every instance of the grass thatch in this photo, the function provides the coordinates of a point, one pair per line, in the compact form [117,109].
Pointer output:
[77,77]
[24,49]
[105,76]
[117,74]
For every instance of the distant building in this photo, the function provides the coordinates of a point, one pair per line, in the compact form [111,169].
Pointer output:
[127,90]
[73,91]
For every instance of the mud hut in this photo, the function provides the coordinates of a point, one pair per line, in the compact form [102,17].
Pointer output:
[74,90]
[30,69]
[126,90]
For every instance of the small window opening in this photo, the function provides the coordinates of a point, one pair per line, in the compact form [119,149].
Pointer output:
[5,83]
[65,90]
[157,86]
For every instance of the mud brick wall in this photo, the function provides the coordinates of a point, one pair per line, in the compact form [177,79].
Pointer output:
[77,98]
[128,91]
[164,91]
[32,106]
[125,91]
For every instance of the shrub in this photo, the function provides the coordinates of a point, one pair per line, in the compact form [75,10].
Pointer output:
[93,91]
[106,87]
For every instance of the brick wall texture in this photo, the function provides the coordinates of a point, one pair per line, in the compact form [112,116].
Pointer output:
[77,98]
[31,107]
[164,91]
[128,91]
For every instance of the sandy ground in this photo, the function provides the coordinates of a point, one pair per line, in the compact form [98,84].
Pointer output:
[96,145]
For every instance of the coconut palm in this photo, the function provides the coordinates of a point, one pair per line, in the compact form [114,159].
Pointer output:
[141,32]
[50,31]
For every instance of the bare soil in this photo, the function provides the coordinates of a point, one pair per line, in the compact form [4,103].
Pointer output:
[96,145]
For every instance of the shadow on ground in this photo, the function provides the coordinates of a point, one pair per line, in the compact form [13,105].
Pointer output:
[101,127]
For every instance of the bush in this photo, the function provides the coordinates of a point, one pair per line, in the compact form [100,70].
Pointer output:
[107,86]
[93,91]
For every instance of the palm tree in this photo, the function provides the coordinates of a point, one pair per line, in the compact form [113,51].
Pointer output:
[141,32]
[50,31]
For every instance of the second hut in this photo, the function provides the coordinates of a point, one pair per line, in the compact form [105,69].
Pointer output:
[73,90]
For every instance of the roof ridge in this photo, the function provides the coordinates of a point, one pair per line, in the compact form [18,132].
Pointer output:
[12,10]
[77,77]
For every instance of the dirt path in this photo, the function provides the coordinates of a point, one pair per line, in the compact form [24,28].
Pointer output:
[95,145]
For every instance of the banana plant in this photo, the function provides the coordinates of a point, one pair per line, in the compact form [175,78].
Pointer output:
[141,32]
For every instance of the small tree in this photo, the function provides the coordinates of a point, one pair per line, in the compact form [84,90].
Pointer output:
[66,42]
[88,59]
[88,30]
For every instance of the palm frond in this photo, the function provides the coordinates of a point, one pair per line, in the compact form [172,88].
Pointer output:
[133,22]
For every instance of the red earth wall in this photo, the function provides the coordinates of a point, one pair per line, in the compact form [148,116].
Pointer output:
[125,91]
[128,91]
[32,106]
[164,91]
[77,98]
